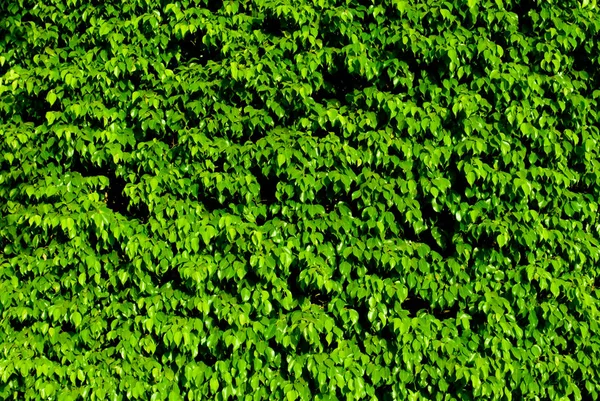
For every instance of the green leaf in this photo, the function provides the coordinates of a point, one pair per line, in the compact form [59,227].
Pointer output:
[195,244]
[332,114]
[345,268]
[208,233]
[51,97]
[292,395]
[153,183]
[214,384]
[76,319]
[280,159]
[471,177]
[177,336]
[464,320]
[234,71]
[174,396]
[502,239]
[285,257]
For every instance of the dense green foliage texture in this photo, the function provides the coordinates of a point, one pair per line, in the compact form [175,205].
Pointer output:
[299,200]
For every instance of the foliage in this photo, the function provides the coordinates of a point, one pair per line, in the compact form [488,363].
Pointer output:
[299,200]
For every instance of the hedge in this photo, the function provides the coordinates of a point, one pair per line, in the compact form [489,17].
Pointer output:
[299,200]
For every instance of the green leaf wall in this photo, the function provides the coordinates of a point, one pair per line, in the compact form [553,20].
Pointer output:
[299,200]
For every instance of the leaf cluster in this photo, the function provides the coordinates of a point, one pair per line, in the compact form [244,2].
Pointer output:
[299,200]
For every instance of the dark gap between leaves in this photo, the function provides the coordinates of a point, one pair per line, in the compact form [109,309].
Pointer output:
[115,197]
[268,185]
[414,304]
